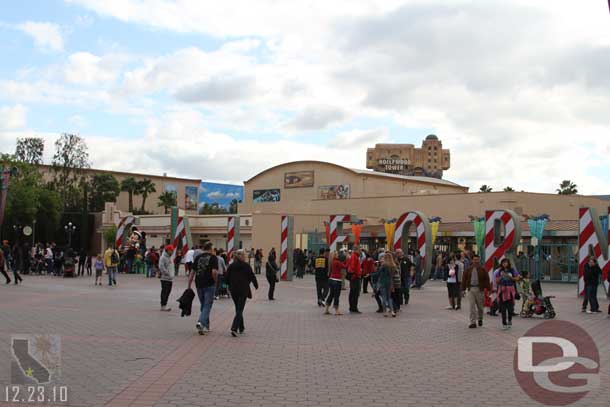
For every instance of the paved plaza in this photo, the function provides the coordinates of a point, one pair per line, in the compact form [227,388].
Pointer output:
[119,350]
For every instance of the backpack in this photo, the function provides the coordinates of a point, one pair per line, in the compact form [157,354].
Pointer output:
[203,271]
[114,257]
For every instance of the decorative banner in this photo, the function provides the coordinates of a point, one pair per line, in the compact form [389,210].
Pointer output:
[232,236]
[219,195]
[389,227]
[266,195]
[336,230]
[496,246]
[434,230]
[299,179]
[356,231]
[190,198]
[122,227]
[592,236]
[424,239]
[286,248]
[180,240]
[479,235]
[333,192]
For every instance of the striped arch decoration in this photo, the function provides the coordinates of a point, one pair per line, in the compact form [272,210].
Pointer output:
[498,247]
[423,235]
[180,240]
[123,226]
[336,230]
[286,248]
[592,239]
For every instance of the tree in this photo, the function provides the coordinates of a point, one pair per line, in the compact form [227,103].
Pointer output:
[145,187]
[233,206]
[212,209]
[110,236]
[167,200]
[130,185]
[485,188]
[69,160]
[567,187]
[509,189]
[29,150]
[104,188]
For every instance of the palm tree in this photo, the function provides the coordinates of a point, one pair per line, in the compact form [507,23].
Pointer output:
[485,188]
[567,187]
[509,189]
[145,187]
[167,200]
[130,185]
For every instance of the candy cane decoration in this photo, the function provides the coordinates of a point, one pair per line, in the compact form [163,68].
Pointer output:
[230,237]
[510,241]
[286,270]
[424,238]
[123,224]
[591,235]
[336,226]
[179,237]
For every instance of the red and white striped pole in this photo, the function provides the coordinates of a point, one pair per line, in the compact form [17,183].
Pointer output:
[336,231]
[286,247]
[232,236]
[423,233]
[180,237]
[591,236]
[507,244]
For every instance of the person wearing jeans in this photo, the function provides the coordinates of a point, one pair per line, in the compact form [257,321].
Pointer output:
[205,273]
[591,276]
[239,278]
[475,281]
[334,282]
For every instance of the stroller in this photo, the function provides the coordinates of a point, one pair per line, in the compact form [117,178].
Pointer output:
[537,304]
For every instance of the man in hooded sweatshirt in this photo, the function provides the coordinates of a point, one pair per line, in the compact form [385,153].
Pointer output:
[166,274]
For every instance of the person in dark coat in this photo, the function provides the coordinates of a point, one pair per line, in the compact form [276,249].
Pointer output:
[239,277]
[271,270]
[186,302]
[592,274]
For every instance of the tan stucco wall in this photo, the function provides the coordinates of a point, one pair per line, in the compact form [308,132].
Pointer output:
[309,216]
[361,186]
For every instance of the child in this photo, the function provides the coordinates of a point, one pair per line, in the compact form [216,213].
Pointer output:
[99,268]
[523,286]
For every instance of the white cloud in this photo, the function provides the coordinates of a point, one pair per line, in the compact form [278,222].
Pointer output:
[88,69]
[47,36]
[13,117]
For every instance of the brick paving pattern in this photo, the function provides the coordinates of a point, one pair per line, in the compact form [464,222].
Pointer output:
[119,350]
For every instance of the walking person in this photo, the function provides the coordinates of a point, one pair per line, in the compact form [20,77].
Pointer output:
[321,273]
[355,276]
[239,277]
[88,261]
[258,261]
[385,284]
[205,274]
[453,289]
[111,263]
[404,264]
[474,282]
[396,292]
[338,263]
[417,262]
[368,268]
[99,269]
[16,262]
[506,277]
[592,274]
[222,270]
[82,258]
[271,270]
[3,264]
[188,260]
[166,274]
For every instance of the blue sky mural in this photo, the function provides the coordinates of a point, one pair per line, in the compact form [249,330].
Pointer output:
[222,194]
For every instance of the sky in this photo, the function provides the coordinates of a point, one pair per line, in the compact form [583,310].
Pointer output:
[519,91]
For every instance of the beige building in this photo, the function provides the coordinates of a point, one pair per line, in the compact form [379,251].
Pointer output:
[405,159]
[162,183]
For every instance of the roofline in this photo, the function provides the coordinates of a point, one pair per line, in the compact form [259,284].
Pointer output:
[359,172]
[128,173]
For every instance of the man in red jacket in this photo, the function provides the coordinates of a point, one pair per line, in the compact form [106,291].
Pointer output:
[354,268]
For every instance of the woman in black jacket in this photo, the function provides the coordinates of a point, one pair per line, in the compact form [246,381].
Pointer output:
[239,277]
[271,270]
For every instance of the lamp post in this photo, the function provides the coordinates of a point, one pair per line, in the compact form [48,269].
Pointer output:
[70,228]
